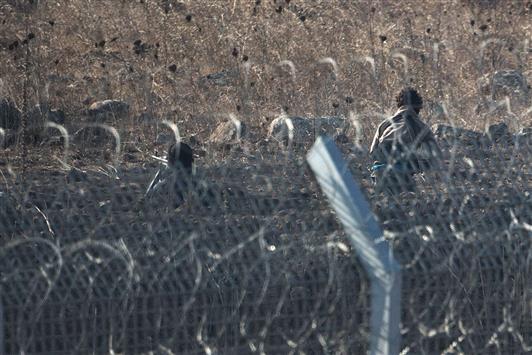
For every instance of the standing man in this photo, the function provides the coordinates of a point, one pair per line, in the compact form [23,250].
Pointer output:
[173,178]
[403,146]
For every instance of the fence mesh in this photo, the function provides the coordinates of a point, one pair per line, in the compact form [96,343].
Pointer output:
[250,258]
[253,259]
[463,241]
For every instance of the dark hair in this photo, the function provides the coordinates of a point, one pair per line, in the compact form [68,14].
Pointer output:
[409,97]
[180,154]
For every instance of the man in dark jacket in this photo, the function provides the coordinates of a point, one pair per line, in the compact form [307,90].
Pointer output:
[403,146]
[173,179]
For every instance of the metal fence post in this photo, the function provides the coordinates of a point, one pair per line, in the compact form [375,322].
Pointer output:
[366,237]
[2,332]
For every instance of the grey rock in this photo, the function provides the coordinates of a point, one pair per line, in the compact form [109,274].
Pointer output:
[92,136]
[194,140]
[503,83]
[37,117]
[11,216]
[284,128]
[498,131]
[10,116]
[222,78]
[164,139]
[137,171]
[44,113]
[342,139]
[524,136]
[131,147]
[228,133]
[437,110]
[77,175]
[443,131]
[130,157]
[57,116]
[526,131]
[102,111]
[8,137]
[172,5]
[60,78]
[469,136]
[450,133]
[512,80]
[304,130]
[145,119]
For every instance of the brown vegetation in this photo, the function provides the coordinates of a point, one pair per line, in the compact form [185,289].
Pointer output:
[194,62]
[186,67]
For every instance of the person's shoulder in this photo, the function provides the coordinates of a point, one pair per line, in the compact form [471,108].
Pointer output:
[401,114]
[391,118]
[411,116]
[419,122]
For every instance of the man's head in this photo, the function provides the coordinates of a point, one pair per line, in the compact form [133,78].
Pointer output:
[180,155]
[409,97]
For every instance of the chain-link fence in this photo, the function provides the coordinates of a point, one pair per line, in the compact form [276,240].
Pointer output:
[246,255]
[463,240]
[253,259]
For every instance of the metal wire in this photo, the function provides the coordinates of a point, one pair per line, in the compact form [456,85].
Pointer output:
[252,260]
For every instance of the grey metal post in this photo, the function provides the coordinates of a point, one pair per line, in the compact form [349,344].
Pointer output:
[2,334]
[366,237]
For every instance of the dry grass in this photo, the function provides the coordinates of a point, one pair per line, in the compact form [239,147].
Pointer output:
[85,50]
